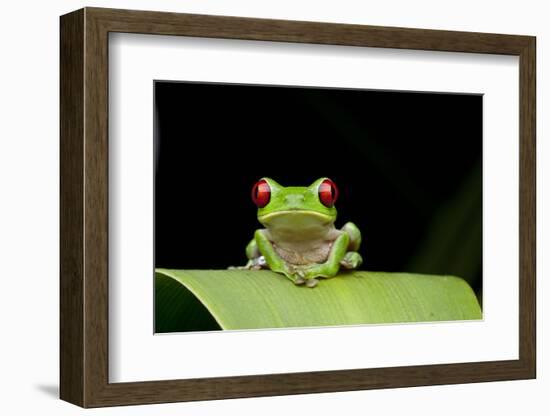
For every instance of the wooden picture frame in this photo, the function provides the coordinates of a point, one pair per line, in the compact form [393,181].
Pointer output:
[84,207]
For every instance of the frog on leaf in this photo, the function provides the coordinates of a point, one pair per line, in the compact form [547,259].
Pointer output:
[299,239]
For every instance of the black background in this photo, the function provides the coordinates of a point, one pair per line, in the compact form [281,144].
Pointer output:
[408,167]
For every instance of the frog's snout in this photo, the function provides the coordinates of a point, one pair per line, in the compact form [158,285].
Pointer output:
[294,200]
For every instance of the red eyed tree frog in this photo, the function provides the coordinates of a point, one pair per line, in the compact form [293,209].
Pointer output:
[299,239]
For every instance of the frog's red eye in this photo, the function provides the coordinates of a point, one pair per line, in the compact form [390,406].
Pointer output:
[328,193]
[261,193]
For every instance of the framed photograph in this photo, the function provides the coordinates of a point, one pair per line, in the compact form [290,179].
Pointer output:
[254,207]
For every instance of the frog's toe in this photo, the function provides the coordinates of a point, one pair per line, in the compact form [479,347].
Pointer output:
[346,264]
[301,273]
[261,261]
[311,283]
[352,260]
[299,281]
[300,277]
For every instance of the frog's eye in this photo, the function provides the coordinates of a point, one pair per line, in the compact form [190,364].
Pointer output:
[261,193]
[328,193]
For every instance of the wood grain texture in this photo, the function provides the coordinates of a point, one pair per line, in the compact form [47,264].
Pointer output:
[71,99]
[225,27]
[84,206]
[96,215]
[527,208]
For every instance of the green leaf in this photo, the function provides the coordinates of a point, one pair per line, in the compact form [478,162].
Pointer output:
[193,300]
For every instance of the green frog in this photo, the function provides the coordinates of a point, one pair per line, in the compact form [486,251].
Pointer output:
[299,239]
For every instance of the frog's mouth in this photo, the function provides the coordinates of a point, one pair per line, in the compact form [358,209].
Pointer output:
[296,219]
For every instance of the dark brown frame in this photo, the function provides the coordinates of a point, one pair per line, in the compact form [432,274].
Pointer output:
[84,214]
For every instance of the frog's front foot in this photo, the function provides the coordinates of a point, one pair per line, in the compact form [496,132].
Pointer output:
[297,276]
[312,283]
[352,260]
[299,281]
[304,277]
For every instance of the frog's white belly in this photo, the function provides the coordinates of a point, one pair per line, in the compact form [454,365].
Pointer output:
[301,251]
[317,254]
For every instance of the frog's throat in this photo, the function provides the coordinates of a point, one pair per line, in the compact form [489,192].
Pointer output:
[324,218]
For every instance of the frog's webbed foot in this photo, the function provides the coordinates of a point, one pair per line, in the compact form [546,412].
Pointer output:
[294,274]
[352,260]
[302,275]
